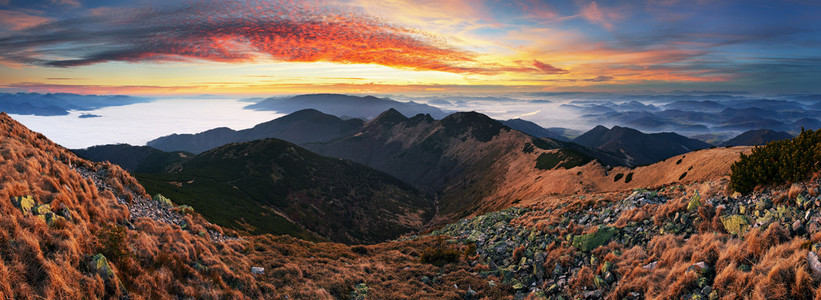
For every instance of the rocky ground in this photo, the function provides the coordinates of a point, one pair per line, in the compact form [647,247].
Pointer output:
[158,208]
[573,248]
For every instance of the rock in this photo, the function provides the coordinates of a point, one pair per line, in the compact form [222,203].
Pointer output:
[162,200]
[99,264]
[801,201]
[735,224]
[257,270]
[590,241]
[707,290]
[763,204]
[606,267]
[599,282]
[699,267]
[650,266]
[694,203]
[798,226]
[360,291]
[41,209]
[24,203]
[815,265]
[597,294]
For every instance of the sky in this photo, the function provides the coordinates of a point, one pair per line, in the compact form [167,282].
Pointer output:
[254,47]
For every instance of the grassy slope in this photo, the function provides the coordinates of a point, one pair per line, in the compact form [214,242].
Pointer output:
[337,199]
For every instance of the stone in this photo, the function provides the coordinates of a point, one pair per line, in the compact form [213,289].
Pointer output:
[815,265]
[360,291]
[258,270]
[694,203]
[162,200]
[99,264]
[735,224]
[650,266]
[590,241]
[699,267]
[800,200]
[597,294]
[599,282]
[24,203]
[798,226]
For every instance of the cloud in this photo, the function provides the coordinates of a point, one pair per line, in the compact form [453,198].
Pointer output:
[74,3]
[16,20]
[546,68]
[238,32]
[600,16]
[5,2]
[600,78]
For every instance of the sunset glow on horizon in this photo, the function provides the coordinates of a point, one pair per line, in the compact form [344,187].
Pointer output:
[251,47]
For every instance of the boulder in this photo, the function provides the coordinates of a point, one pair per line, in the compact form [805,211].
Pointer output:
[162,200]
[257,270]
[815,265]
[24,203]
[735,224]
[590,241]
[694,203]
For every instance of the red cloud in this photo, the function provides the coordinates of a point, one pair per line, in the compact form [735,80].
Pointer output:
[239,32]
[546,68]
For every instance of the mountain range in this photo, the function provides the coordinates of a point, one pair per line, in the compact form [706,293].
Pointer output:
[60,103]
[639,148]
[462,160]
[303,126]
[346,106]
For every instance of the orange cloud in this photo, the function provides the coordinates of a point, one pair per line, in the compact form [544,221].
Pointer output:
[548,69]
[16,20]
[241,32]
[600,16]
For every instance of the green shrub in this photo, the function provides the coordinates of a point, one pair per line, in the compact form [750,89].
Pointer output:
[440,253]
[563,158]
[778,162]
[111,240]
[628,178]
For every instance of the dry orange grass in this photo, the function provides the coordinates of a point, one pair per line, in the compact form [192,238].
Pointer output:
[49,261]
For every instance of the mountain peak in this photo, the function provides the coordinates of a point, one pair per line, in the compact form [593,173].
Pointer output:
[481,127]
[389,117]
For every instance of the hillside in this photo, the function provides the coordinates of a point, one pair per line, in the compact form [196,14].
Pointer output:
[135,159]
[756,137]
[465,158]
[639,148]
[534,129]
[365,107]
[73,229]
[303,126]
[272,186]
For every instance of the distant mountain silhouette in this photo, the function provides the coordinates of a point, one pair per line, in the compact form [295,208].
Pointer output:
[639,148]
[137,159]
[463,158]
[534,129]
[60,103]
[692,105]
[756,137]
[303,126]
[273,186]
[367,107]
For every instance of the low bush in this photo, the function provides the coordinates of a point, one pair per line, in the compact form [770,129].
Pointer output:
[789,160]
